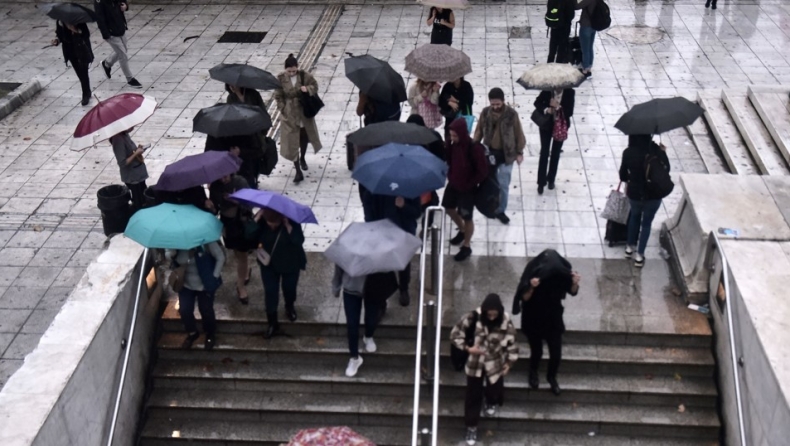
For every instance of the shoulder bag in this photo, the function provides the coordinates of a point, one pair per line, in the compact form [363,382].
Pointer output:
[459,357]
[311,104]
[264,256]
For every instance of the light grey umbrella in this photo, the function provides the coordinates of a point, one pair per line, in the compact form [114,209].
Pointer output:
[375,247]
[551,76]
[438,63]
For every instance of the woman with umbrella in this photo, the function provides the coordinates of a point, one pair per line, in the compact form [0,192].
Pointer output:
[443,22]
[296,130]
[553,105]
[456,98]
[76,40]
[424,101]
[250,152]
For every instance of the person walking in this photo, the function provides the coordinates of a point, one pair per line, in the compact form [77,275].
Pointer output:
[467,168]
[111,18]
[455,99]
[544,283]
[132,165]
[424,101]
[76,40]
[437,149]
[491,357]
[586,35]
[644,204]
[296,130]
[559,102]
[251,152]
[442,21]
[201,280]
[281,257]
[559,19]
[374,111]
[499,128]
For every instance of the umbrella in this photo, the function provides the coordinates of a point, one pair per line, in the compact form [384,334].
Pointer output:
[658,116]
[173,226]
[70,13]
[438,63]
[374,247]
[400,170]
[231,120]
[329,436]
[195,170]
[376,78]
[381,133]
[110,117]
[450,4]
[551,76]
[276,202]
[243,75]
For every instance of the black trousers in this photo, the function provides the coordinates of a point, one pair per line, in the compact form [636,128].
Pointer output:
[138,199]
[554,342]
[548,145]
[303,141]
[559,45]
[404,277]
[81,69]
[475,391]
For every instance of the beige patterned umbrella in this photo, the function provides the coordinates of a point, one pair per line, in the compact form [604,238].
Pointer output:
[449,4]
[551,76]
[438,63]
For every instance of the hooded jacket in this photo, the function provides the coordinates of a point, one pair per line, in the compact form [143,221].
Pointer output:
[632,168]
[542,313]
[466,160]
[76,47]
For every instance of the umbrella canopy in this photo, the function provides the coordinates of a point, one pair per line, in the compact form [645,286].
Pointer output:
[374,247]
[329,436]
[173,226]
[438,63]
[110,117]
[69,13]
[231,120]
[243,75]
[381,133]
[376,78]
[659,116]
[400,170]
[450,4]
[551,76]
[195,170]
[274,201]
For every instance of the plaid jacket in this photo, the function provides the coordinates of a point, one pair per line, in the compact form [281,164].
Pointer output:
[499,344]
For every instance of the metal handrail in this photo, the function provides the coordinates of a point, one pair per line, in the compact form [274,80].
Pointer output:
[725,267]
[437,338]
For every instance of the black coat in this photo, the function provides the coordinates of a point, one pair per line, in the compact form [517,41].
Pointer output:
[568,101]
[465,96]
[379,207]
[76,47]
[542,314]
[287,252]
[110,18]
[632,169]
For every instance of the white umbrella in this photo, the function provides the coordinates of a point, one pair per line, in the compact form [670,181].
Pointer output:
[449,4]
[375,247]
[551,76]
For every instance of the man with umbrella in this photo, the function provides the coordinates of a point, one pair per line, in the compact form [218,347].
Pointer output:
[71,31]
[112,24]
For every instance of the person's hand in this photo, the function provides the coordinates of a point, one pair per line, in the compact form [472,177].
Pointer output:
[475,351]
[124,7]
[287,224]
[453,105]
[336,293]
[210,206]
[505,369]
[424,94]
[54,42]
[138,151]
[399,202]
[662,146]
[520,159]
[534,282]
[576,278]
[553,103]
[303,88]
[235,150]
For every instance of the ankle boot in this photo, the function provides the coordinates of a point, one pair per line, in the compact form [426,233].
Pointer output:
[299,176]
[302,161]
[274,326]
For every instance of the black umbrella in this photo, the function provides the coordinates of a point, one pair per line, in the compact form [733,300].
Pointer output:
[381,133]
[243,75]
[230,120]
[70,13]
[659,116]
[376,78]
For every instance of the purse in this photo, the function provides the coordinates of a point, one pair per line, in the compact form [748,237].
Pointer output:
[560,131]
[539,118]
[264,256]
[617,206]
[470,119]
[311,104]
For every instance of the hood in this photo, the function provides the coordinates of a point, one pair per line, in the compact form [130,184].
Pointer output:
[492,302]
[639,141]
[459,127]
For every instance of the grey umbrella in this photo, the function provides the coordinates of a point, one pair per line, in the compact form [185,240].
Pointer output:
[231,120]
[381,133]
[375,247]
[438,63]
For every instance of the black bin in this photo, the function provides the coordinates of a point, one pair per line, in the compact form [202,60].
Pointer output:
[149,196]
[116,209]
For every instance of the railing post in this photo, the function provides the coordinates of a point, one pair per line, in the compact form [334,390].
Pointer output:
[425,437]
[436,251]
[430,327]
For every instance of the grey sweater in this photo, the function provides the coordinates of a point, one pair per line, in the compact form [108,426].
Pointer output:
[587,7]
[192,277]
[349,284]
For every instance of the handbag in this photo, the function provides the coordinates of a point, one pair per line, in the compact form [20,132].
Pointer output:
[264,256]
[617,206]
[459,357]
[470,119]
[539,118]
[311,104]
[560,132]
[177,276]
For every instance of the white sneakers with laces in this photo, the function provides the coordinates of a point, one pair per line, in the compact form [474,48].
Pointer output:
[370,344]
[353,366]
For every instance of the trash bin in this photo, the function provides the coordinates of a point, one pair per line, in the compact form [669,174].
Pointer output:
[116,209]
[149,196]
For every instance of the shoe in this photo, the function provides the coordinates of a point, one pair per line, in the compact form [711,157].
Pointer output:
[106,69]
[190,339]
[86,100]
[302,163]
[534,382]
[370,344]
[463,254]
[299,177]
[244,300]
[503,218]
[404,298]
[639,260]
[471,435]
[629,251]
[353,366]
[713,6]
[707,4]
[555,387]
[290,313]
[458,239]
[551,185]
[540,190]
[588,75]
[134,84]
[272,331]
[491,410]
[209,345]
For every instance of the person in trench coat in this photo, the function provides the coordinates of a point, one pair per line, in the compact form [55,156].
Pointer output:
[295,129]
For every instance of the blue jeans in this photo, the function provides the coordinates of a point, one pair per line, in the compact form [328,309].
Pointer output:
[271,287]
[503,174]
[642,214]
[186,308]
[586,39]
[352,304]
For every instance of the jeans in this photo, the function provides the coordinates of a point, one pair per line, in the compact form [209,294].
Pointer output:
[186,308]
[586,39]
[546,147]
[138,197]
[271,287]
[559,43]
[554,342]
[642,214]
[352,304]
[81,69]
[474,397]
[118,45]
[503,174]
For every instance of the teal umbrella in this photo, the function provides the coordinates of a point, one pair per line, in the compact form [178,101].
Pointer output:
[173,226]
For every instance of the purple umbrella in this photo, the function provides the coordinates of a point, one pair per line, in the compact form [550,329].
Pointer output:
[196,170]
[276,202]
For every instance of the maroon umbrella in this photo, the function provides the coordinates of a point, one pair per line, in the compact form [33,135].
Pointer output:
[110,117]
[197,170]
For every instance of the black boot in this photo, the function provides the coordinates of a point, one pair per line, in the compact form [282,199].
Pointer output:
[274,327]
[707,4]
[290,311]
[555,387]
[299,176]
[302,162]
[533,379]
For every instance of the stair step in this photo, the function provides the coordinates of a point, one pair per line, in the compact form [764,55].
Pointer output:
[773,108]
[376,380]
[706,146]
[764,152]
[733,149]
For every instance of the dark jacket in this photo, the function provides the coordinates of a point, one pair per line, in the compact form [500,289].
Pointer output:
[542,314]
[379,207]
[195,196]
[250,150]
[467,161]
[288,256]
[567,12]
[632,168]
[587,7]
[568,100]
[465,96]
[110,18]
[76,47]
[436,147]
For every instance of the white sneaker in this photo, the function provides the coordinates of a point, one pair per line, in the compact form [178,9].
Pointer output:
[490,411]
[629,251]
[471,436]
[639,260]
[353,366]
[370,344]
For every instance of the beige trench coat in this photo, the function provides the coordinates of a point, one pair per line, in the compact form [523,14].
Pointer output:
[292,117]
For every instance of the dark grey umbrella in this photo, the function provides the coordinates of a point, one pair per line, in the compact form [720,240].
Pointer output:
[381,133]
[243,75]
[376,78]
[659,116]
[231,120]
[70,13]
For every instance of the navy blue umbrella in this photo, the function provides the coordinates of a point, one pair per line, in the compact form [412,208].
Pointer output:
[400,170]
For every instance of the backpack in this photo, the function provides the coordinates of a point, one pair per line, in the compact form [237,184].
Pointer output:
[488,194]
[459,357]
[658,183]
[600,18]
[553,13]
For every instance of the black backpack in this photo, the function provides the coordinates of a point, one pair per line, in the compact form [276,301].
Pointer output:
[658,183]
[600,18]
[459,357]
[553,13]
